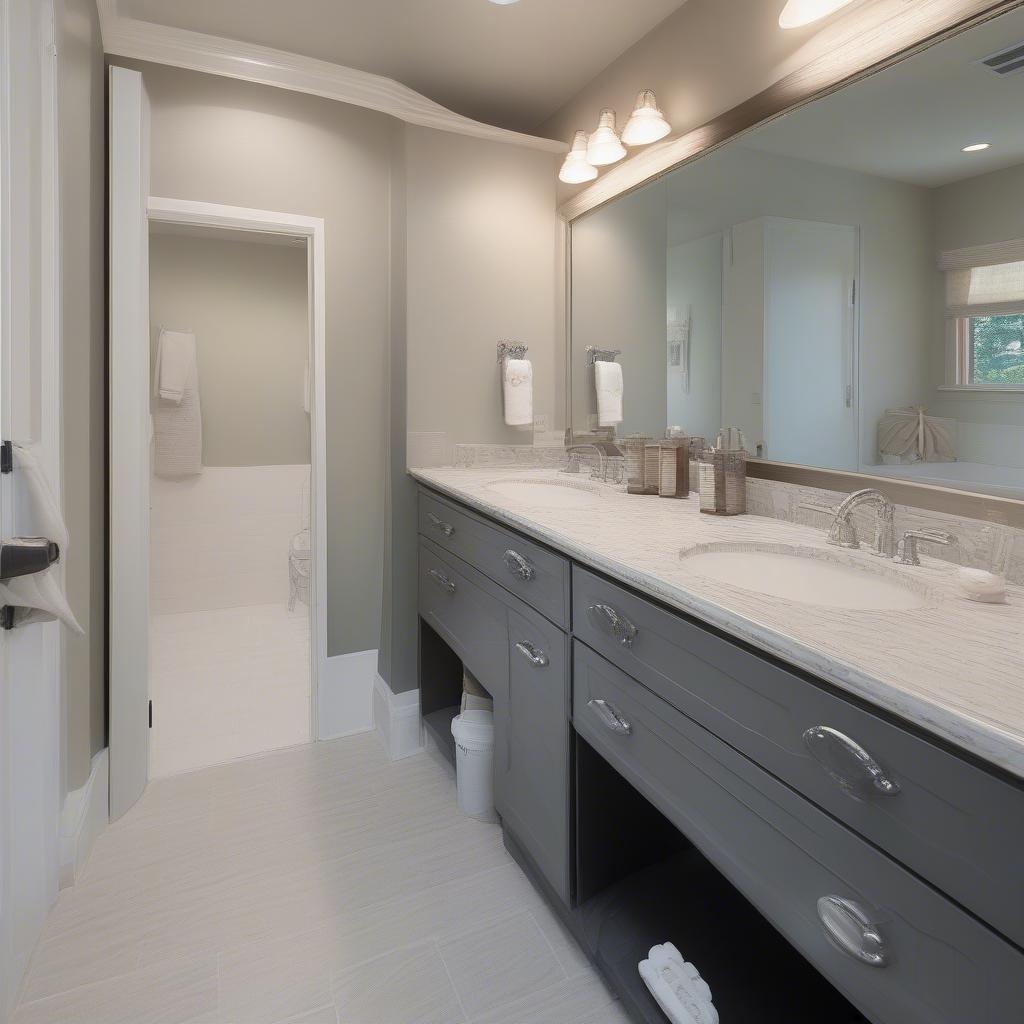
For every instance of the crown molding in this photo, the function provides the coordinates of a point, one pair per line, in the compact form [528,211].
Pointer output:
[196,51]
[867,40]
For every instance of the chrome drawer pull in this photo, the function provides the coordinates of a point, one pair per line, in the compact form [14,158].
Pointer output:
[518,565]
[850,930]
[848,763]
[532,654]
[610,716]
[605,617]
[439,524]
[442,581]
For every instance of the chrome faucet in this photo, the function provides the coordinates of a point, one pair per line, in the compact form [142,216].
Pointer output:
[843,533]
[906,550]
[606,452]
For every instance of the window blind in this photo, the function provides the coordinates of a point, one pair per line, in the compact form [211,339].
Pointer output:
[985,280]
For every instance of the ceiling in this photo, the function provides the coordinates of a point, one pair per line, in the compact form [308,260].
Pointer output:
[511,66]
[911,122]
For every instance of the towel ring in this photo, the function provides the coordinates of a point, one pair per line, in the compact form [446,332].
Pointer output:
[604,355]
[511,350]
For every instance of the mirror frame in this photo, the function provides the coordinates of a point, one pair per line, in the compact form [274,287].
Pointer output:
[868,40]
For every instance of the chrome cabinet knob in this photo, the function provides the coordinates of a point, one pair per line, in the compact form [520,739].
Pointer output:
[850,929]
[609,620]
[856,771]
[442,581]
[534,655]
[439,524]
[518,565]
[610,716]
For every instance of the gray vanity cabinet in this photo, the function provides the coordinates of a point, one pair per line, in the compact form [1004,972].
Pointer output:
[531,768]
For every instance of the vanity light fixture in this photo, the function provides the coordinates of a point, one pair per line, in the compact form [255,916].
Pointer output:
[646,124]
[798,13]
[976,147]
[576,168]
[604,146]
[504,3]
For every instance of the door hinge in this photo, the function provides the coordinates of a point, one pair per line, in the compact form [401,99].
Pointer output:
[6,457]
[853,292]
[151,714]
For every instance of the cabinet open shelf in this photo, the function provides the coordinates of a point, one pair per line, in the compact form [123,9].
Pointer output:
[439,725]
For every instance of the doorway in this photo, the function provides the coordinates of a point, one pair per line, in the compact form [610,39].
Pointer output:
[230,538]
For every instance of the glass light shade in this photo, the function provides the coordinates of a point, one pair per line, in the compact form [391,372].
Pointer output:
[798,13]
[647,123]
[576,169]
[604,146]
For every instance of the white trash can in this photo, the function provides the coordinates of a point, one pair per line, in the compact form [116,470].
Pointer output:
[474,763]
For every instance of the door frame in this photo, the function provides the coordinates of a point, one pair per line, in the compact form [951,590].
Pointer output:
[237,218]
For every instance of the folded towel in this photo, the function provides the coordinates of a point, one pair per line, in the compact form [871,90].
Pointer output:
[517,388]
[175,363]
[677,986]
[178,432]
[608,384]
[40,596]
[908,435]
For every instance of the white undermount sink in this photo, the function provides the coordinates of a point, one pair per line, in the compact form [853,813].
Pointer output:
[548,493]
[808,575]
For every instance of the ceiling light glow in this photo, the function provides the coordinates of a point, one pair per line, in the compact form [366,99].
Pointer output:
[976,147]
[604,146]
[798,13]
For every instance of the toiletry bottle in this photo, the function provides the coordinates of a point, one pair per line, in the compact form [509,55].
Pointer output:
[723,475]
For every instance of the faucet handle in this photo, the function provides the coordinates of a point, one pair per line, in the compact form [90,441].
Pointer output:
[810,506]
[906,549]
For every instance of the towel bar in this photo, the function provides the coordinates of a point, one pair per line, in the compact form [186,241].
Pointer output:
[605,355]
[511,350]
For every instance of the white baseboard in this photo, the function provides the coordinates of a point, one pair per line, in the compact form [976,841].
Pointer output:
[344,699]
[84,816]
[396,717]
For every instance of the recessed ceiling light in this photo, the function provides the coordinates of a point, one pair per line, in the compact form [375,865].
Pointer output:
[798,13]
[976,147]
[504,3]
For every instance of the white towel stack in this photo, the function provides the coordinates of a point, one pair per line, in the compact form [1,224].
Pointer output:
[41,593]
[608,384]
[680,991]
[177,418]
[517,388]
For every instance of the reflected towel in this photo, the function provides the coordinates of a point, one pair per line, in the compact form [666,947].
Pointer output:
[908,435]
[175,364]
[608,384]
[517,390]
[178,431]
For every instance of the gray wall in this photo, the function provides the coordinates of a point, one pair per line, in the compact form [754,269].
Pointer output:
[223,141]
[480,254]
[247,303]
[83,313]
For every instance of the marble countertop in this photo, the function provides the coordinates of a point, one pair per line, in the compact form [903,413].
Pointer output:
[953,667]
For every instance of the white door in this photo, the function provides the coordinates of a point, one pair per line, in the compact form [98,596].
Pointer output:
[810,410]
[129,426]
[30,709]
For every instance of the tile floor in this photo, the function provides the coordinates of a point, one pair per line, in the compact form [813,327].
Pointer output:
[227,683]
[322,885]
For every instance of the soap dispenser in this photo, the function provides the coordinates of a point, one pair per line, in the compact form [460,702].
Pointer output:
[722,473]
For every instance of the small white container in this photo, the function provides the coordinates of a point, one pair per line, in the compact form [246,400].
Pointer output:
[474,763]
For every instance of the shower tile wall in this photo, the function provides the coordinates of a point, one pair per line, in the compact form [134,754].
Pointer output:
[221,539]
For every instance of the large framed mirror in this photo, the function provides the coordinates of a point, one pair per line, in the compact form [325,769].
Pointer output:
[844,283]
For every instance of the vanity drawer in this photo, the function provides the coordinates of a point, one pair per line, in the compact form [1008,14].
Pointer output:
[934,963]
[957,825]
[531,572]
[455,601]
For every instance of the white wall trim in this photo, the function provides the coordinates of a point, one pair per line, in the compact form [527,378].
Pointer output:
[396,717]
[345,703]
[216,215]
[196,51]
[85,815]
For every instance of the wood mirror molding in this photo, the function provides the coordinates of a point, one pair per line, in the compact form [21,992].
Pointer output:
[867,40]
[870,39]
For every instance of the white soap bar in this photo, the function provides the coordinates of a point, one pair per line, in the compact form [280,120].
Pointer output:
[979,585]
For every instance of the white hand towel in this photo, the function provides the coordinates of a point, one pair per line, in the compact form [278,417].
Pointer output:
[175,363]
[608,384]
[178,427]
[517,387]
